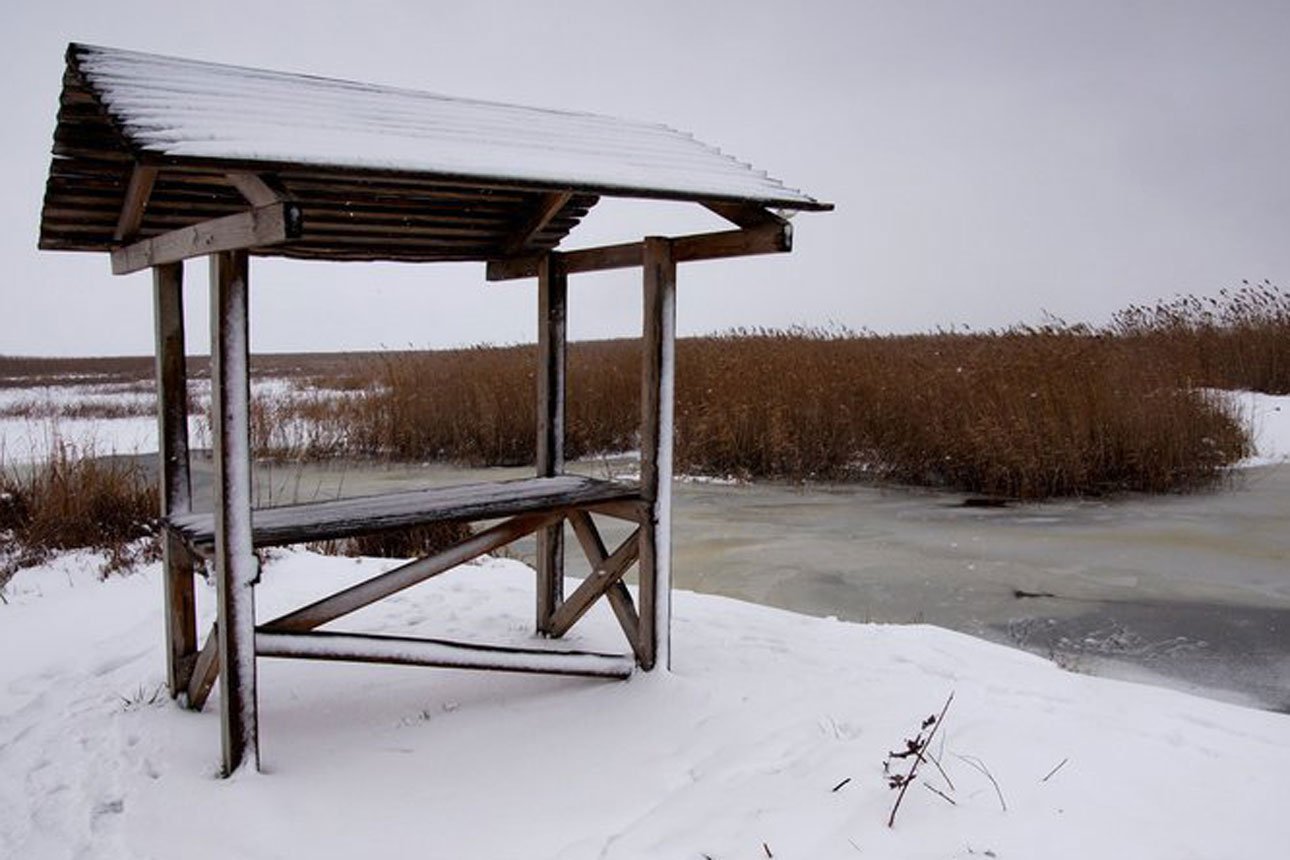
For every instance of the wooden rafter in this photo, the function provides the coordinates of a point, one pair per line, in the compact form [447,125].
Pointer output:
[264,225]
[137,192]
[745,215]
[773,239]
[548,208]
[258,189]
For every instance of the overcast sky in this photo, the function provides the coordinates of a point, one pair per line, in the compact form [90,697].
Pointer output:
[990,161]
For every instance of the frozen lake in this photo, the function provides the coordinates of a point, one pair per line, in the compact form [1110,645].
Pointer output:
[1190,591]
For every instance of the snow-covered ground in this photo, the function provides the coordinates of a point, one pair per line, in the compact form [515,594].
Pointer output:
[767,740]
[1268,417]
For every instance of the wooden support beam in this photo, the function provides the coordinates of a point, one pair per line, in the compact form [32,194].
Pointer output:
[405,576]
[435,652]
[746,215]
[769,239]
[257,189]
[137,192]
[658,363]
[236,568]
[552,364]
[548,208]
[620,599]
[205,671]
[175,491]
[631,511]
[604,573]
[264,225]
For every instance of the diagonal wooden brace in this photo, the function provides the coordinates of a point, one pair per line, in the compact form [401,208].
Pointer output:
[620,598]
[205,671]
[365,593]
[606,571]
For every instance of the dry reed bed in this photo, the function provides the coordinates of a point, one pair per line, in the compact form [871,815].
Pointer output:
[1025,413]
[1022,414]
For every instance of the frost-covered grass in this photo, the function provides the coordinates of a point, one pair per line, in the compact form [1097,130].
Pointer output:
[768,737]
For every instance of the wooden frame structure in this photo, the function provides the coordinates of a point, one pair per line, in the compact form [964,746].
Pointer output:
[108,192]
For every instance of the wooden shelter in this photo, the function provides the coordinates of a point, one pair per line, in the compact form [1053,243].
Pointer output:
[158,159]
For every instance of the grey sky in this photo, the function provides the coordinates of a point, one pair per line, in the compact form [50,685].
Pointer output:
[990,161]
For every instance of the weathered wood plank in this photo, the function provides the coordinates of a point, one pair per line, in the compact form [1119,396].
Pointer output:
[405,576]
[338,518]
[236,569]
[658,364]
[604,573]
[142,179]
[552,364]
[175,491]
[770,239]
[436,652]
[548,207]
[205,671]
[265,225]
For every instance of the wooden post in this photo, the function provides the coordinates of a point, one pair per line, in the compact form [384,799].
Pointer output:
[176,488]
[552,363]
[236,569]
[658,363]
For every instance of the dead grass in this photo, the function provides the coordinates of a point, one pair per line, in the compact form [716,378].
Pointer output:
[74,499]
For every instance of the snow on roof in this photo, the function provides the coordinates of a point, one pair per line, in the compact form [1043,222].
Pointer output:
[186,108]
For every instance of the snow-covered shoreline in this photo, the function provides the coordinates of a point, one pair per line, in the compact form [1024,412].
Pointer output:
[765,713]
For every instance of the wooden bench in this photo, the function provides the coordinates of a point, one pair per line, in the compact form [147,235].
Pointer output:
[522,508]
[360,515]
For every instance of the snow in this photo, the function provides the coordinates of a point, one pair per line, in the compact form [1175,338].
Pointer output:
[735,754]
[1268,417]
[179,107]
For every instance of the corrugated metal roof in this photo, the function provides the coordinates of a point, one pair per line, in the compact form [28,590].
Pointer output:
[182,108]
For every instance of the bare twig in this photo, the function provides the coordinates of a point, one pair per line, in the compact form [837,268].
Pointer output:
[766,848]
[1061,764]
[936,760]
[934,790]
[979,765]
[842,783]
[916,748]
